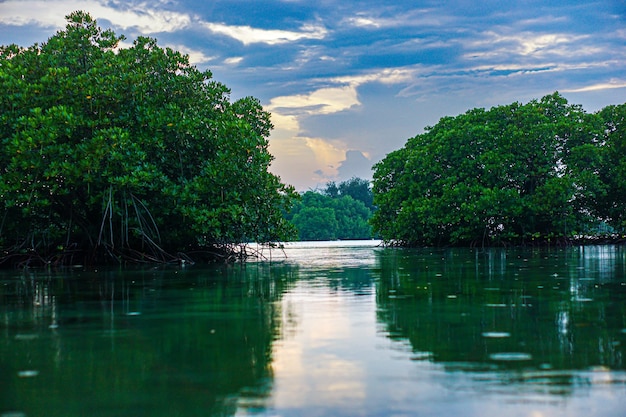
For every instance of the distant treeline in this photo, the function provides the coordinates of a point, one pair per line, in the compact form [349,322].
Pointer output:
[545,172]
[339,211]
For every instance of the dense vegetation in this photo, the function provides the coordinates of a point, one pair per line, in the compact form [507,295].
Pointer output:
[340,211]
[544,172]
[128,154]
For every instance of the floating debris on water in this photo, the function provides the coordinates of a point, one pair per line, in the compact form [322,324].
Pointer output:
[496,335]
[29,336]
[421,356]
[13,414]
[510,356]
[400,296]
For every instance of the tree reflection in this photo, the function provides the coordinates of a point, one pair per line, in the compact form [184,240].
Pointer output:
[144,342]
[546,309]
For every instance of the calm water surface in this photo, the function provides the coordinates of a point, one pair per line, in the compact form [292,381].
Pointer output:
[322,329]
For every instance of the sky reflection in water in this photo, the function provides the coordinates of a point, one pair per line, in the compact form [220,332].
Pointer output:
[346,354]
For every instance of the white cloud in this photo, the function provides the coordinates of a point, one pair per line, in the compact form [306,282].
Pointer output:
[145,18]
[304,160]
[379,19]
[383,76]
[196,57]
[249,35]
[328,155]
[323,101]
[492,45]
[363,22]
[314,160]
[50,13]
[612,84]
[233,61]
[546,42]
[343,95]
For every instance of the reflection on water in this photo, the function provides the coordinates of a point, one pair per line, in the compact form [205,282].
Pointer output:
[151,342]
[333,328]
[558,310]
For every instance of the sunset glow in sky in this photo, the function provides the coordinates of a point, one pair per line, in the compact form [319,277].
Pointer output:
[349,81]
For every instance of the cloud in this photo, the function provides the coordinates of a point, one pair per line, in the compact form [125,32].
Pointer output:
[327,154]
[597,87]
[384,76]
[492,45]
[363,22]
[19,13]
[146,19]
[307,161]
[395,18]
[50,13]
[310,159]
[322,101]
[234,60]
[341,95]
[196,57]
[249,35]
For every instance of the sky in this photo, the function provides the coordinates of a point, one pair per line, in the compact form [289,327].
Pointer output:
[347,82]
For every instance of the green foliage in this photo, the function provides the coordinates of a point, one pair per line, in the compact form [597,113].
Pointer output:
[357,188]
[117,150]
[316,223]
[510,174]
[333,215]
[611,203]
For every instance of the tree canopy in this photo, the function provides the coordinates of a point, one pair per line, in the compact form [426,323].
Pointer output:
[541,171]
[610,202]
[359,189]
[128,153]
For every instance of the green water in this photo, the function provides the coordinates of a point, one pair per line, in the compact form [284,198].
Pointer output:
[324,329]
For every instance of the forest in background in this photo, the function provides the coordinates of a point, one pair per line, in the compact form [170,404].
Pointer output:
[338,211]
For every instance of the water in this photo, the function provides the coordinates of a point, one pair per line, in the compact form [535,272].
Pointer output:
[322,329]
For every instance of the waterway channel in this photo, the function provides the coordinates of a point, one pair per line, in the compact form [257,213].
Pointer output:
[322,329]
